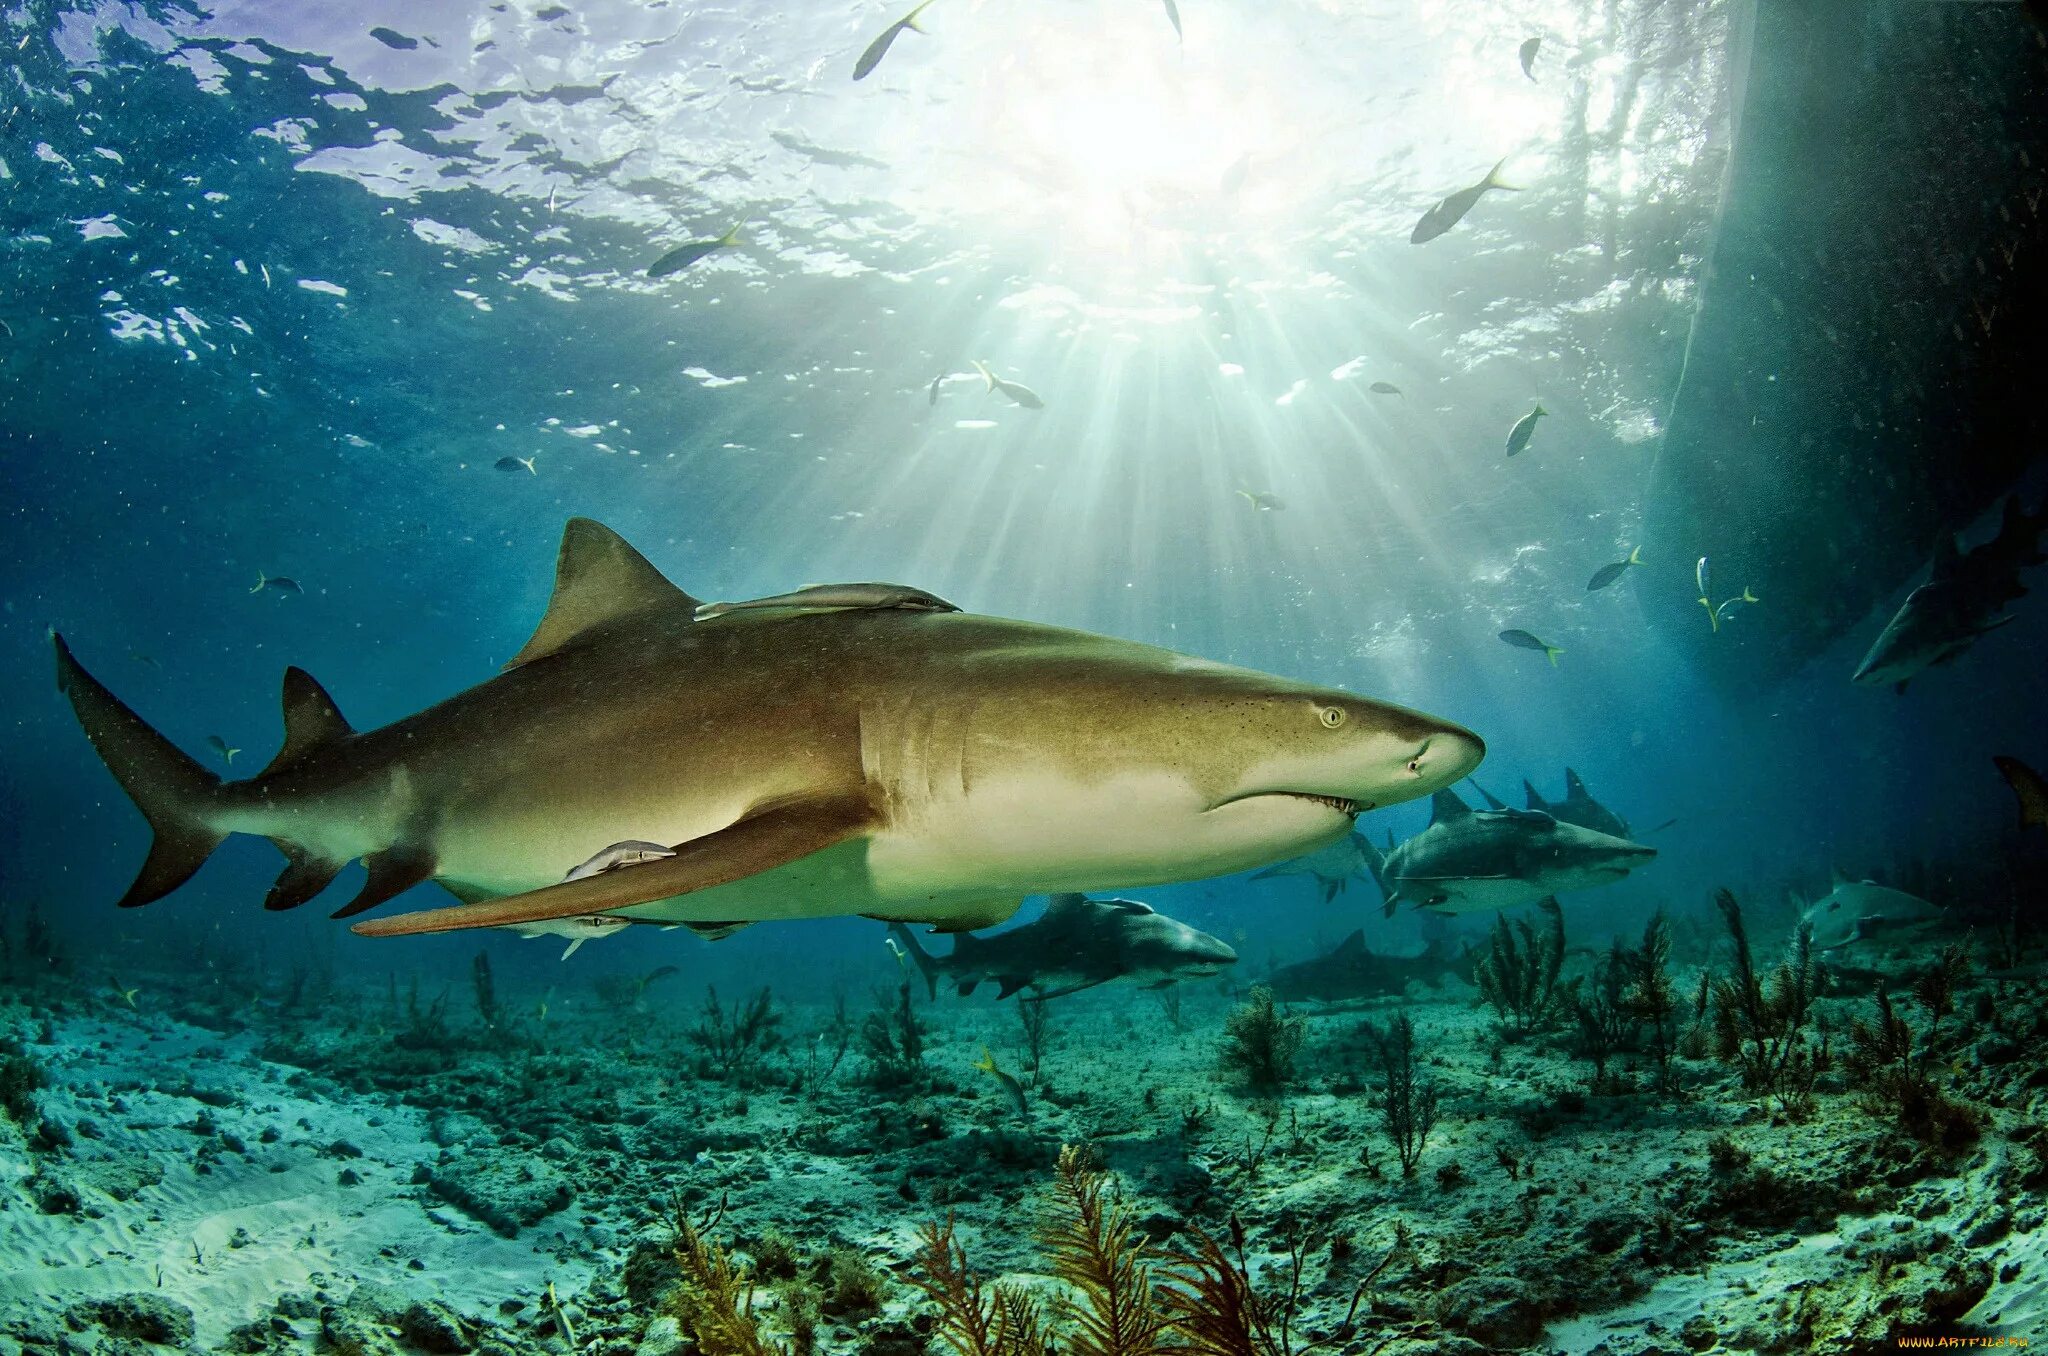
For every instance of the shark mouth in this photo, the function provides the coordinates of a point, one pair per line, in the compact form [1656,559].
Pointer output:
[1348,808]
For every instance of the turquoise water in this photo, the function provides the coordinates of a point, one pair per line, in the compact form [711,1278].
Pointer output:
[359,297]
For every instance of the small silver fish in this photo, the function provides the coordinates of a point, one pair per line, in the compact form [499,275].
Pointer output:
[281,583]
[519,464]
[879,48]
[1017,391]
[220,746]
[1524,429]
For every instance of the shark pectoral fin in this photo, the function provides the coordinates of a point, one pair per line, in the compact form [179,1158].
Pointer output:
[392,872]
[1009,984]
[762,841]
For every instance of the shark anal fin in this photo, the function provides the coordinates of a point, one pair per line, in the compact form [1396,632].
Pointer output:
[311,720]
[303,877]
[392,872]
[1009,984]
[599,578]
[966,987]
[760,842]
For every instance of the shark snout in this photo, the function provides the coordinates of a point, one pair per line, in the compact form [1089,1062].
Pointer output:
[1449,755]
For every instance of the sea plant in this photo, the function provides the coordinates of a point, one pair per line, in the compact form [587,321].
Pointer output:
[1517,973]
[892,1040]
[1035,1019]
[715,1303]
[20,1078]
[1760,1023]
[1899,1075]
[1604,1022]
[1407,1102]
[735,1037]
[1652,997]
[486,990]
[1260,1042]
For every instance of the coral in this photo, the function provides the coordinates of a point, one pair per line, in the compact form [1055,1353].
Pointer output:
[1093,1245]
[974,1319]
[1760,1025]
[856,1287]
[1260,1042]
[718,1308]
[1652,998]
[1604,1021]
[735,1039]
[143,1317]
[1518,973]
[1407,1103]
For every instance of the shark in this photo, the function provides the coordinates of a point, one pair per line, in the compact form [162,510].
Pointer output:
[1965,596]
[1353,971]
[1333,868]
[1578,807]
[1860,911]
[1077,944]
[1477,861]
[903,762]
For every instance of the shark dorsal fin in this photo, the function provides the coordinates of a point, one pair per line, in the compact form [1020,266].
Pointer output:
[1446,806]
[1575,786]
[1493,802]
[1064,903]
[1535,797]
[598,579]
[311,719]
[1836,880]
[1352,945]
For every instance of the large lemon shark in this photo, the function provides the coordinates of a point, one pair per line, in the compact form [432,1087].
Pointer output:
[850,749]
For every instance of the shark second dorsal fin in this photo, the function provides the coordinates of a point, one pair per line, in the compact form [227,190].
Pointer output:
[1535,797]
[1836,880]
[1446,806]
[1575,786]
[599,578]
[1493,802]
[311,719]
[1352,945]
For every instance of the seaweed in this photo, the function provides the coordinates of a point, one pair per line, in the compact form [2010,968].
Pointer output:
[1036,1020]
[1260,1042]
[1605,1022]
[486,990]
[892,1040]
[1899,1076]
[1125,1297]
[1518,974]
[20,1078]
[736,1038]
[1760,1024]
[1407,1103]
[1652,998]
[716,1303]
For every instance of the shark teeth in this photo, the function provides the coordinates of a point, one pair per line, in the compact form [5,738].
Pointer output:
[1337,803]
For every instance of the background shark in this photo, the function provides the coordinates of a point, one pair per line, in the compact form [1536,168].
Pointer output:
[1333,868]
[901,762]
[1578,807]
[1859,911]
[1352,971]
[1965,596]
[1470,861]
[1078,944]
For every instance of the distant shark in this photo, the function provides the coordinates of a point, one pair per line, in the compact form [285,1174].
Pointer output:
[802,760]
[1965,596]
[1858,911]
[1352,971]
[1333,868]
[1470,861]
[1078,944]
[1578,807]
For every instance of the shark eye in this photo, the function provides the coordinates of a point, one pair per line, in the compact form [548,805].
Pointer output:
[1415,763]
[1332,717]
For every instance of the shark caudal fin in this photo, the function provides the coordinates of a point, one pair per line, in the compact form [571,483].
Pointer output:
[174,793]
[927,964]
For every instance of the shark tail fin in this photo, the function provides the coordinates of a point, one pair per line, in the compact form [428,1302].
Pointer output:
[927,964]
[174,793]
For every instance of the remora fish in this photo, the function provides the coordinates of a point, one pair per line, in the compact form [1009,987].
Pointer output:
[838,596]
[1451,210]
[1470,861]
[879,48]
[1333,867]
[1578,807]
[1965,596]
[1077,944]
[1352,971]
[907,764]
[1856,911]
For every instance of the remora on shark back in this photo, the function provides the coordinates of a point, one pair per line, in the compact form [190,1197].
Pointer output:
[899,762]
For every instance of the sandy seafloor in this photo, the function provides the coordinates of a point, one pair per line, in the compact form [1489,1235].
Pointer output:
[232,1161]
